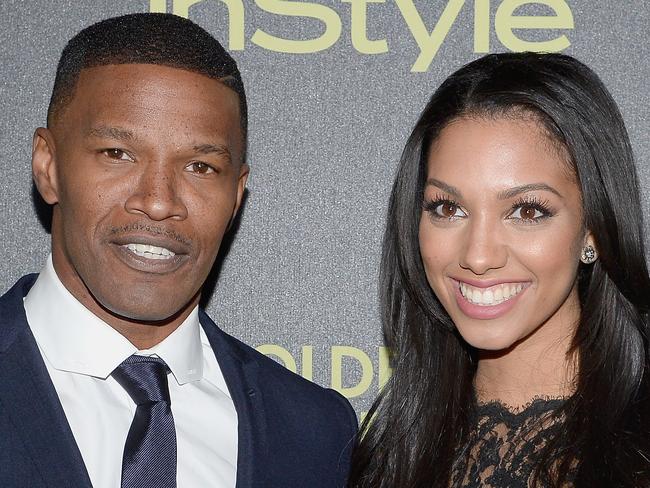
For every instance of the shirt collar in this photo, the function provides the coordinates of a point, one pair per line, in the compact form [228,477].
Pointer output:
[182,350]
[73,339]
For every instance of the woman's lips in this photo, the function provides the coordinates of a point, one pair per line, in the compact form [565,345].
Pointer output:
[488,302]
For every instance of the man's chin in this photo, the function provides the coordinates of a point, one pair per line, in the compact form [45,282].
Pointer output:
[147,312]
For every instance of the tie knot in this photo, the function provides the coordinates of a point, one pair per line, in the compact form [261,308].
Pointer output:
[144,379]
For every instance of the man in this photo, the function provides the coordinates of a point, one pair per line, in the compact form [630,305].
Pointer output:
[110,375]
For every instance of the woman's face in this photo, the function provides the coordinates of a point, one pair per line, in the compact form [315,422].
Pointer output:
[501,233]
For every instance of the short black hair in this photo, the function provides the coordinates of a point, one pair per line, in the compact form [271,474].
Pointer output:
[145,38]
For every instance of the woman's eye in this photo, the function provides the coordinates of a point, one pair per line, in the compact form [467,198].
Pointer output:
[527,212]
[117,154]
[449,210]
[445,209]
[200,167]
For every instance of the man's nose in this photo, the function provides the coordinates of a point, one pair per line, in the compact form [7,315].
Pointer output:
[484,247]
[157,194]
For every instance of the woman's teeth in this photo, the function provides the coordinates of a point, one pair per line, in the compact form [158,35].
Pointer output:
[150,252]
[490,296]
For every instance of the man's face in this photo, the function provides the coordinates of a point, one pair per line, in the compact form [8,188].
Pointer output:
[144,168]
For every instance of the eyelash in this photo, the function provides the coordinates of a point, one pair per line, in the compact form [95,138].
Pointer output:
[210,168]
[535,203]
[430,207]
[107,152]
[542,206]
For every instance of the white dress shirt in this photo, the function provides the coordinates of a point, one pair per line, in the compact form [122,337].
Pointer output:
[81,351]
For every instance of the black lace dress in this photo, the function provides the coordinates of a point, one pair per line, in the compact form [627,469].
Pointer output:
[502,449]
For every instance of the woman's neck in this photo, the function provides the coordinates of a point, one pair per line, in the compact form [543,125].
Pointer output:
[541,365]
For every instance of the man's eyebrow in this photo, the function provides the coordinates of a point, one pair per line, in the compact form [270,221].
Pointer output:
[125,135]
[211,148]
[452,190]
[518,190]
[217,149]
[117,133]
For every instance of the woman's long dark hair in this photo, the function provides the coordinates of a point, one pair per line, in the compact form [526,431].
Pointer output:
[412,434]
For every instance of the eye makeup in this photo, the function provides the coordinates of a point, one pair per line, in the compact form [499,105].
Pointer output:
[442,207]
[531,209]
[526,209]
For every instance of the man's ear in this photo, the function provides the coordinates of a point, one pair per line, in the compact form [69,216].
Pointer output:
[241,190]
[241,187]
[44,165]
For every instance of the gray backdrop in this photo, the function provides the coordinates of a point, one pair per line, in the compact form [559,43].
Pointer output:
[326,130]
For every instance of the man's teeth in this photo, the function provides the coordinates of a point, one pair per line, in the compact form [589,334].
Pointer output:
[492,295]
[150,252]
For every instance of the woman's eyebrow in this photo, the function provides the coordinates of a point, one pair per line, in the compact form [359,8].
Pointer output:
[452,190]
[518,190]
[502,195]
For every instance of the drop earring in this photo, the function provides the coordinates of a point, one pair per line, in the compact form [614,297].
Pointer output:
[588,255]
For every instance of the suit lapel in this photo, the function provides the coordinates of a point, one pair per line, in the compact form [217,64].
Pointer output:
[240,372]
[29,399]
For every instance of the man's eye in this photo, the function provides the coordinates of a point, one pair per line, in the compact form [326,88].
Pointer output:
[118,154]
[199,167]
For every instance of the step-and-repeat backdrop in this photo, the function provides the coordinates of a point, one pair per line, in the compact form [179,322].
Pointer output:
[334,88]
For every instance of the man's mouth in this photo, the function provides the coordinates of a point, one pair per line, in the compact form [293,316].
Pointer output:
[149,252]
[493,295]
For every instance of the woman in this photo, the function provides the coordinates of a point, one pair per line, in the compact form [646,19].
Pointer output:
[514,290]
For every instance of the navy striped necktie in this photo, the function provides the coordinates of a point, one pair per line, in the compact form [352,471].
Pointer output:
[149,459]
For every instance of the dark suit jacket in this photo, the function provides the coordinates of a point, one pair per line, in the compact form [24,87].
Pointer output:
[292,433]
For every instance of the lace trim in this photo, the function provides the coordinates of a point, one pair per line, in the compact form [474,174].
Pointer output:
[505,443]
[539,403]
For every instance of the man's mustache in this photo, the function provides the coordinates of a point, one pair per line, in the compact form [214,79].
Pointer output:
[150,229]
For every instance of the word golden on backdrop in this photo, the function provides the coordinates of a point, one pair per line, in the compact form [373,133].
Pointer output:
[428,38]
[343,361]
